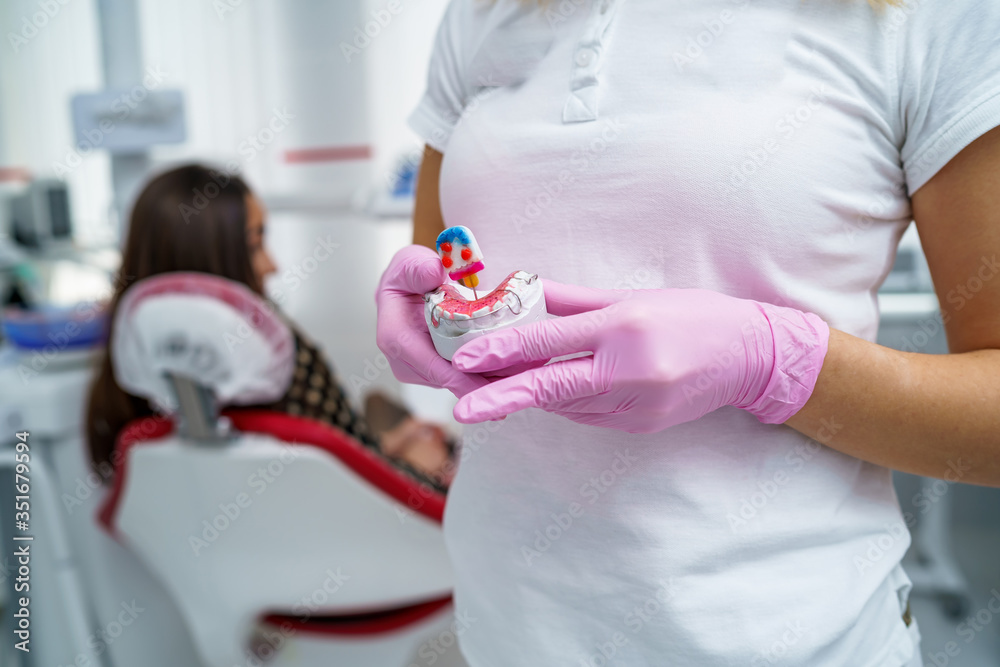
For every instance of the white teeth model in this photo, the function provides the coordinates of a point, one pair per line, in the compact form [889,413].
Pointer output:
[453,320]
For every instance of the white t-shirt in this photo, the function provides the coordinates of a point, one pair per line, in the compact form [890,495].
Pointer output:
[765,150]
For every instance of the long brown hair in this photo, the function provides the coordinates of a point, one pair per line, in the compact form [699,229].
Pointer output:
[190,218]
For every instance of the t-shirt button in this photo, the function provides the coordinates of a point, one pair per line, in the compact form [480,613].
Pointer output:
[584,57]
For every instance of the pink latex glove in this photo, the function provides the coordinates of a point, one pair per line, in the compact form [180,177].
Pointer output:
[660,358]
[401,332]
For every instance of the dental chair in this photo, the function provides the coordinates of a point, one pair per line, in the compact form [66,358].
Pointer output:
[281,539]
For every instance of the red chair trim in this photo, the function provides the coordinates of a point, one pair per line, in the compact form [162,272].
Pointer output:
[419,498]
[141,430]
[359,624]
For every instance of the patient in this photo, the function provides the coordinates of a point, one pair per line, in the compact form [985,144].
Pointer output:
[195,219]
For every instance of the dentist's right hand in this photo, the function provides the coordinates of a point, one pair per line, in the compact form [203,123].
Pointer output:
[401,332]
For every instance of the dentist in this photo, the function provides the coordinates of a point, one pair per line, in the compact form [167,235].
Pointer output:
[712,193]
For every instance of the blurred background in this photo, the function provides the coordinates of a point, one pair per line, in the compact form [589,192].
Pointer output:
[307,99]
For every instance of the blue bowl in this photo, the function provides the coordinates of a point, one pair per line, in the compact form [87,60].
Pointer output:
[62,327]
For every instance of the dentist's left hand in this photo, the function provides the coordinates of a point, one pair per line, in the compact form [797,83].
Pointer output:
[401,332]
[659,357]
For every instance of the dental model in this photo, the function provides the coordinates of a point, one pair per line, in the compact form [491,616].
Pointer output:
[453,319]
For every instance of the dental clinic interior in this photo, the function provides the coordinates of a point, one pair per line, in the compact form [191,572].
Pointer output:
[230,464]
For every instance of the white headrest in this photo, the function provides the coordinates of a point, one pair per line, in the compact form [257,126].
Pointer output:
[216,332]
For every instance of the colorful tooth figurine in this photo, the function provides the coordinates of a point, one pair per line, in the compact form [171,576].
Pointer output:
[453,320]
[460,255]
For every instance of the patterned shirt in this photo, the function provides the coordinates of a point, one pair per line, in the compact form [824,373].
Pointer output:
[316,393]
